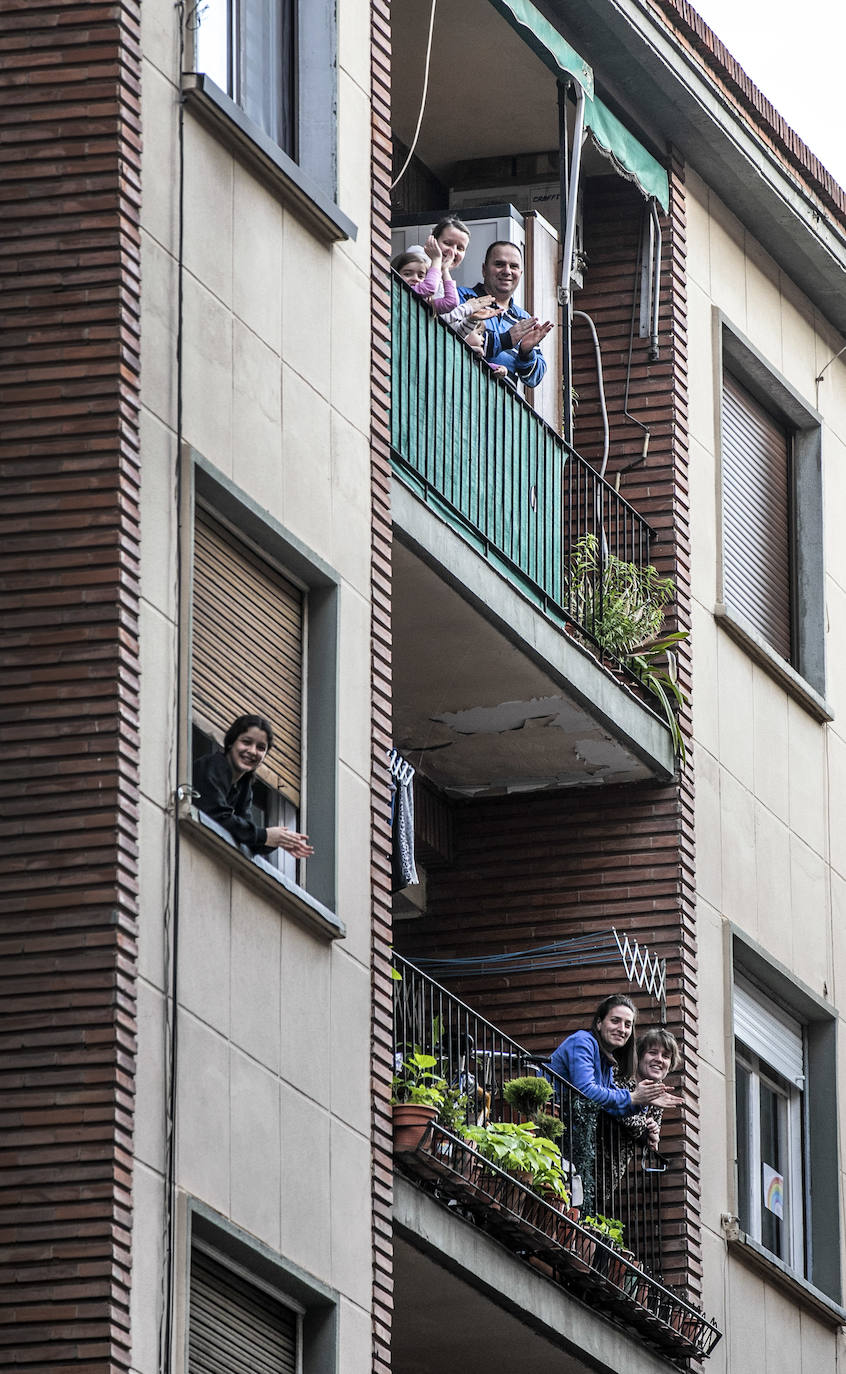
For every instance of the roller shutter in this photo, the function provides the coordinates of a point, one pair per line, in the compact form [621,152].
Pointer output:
[247,651]
[757,516]
[234,1327]
[770,1032]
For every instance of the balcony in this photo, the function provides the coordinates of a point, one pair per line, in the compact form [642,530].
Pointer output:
[489,504]
[623,1286]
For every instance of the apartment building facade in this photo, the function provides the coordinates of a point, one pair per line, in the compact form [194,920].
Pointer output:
[555,826]
[191,536]
[247,470]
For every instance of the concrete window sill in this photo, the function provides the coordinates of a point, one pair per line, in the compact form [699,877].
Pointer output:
[291,899]
[739,629]
[228,122]
[770,1267]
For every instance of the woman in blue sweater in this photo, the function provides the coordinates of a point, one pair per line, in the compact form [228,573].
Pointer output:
[589,1060]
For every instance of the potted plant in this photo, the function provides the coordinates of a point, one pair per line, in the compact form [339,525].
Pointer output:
[418,1095]
[518,1149]
[527,1096]
[622,607]
[610,1231]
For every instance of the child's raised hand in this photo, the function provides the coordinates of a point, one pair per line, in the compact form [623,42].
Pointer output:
[432,249]
[449,255]
[485,308]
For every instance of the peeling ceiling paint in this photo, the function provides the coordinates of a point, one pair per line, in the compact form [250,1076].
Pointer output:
[538,713]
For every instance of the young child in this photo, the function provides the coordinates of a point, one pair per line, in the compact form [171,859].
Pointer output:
[427,271]
[475,339]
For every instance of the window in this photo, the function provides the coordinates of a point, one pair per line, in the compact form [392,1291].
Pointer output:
[757,516]
[769,1085]
[264,638]
[247,47]
[786,1128]
[771,522]
[249,1309]
[263,74]
[236,1325]
[249,624]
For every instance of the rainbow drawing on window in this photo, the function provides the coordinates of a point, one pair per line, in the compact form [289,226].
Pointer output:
[773,1188]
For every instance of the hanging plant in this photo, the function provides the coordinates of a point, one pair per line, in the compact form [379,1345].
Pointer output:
[621,607]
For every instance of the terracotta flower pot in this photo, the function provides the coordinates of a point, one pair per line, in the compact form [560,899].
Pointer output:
[411,1121]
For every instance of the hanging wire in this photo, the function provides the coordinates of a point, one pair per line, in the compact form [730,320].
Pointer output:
[404,168]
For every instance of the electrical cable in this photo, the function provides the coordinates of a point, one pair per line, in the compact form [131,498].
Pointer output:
[404,168]
[601,384]
[171,913]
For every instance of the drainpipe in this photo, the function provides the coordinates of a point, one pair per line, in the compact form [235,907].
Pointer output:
[654,352]
[569,206]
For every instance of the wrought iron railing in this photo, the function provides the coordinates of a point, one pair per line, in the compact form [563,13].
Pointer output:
[615,1174]
[476,451]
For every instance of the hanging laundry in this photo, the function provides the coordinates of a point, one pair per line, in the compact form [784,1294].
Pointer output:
[404,872]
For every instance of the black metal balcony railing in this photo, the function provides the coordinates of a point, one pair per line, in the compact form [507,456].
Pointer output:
[621,1179]
[477,452]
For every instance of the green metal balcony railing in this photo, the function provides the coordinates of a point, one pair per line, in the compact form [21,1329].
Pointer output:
[472,448]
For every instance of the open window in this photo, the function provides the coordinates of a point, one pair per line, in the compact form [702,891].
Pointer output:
[249,629]
[785,1099]
[771,1159]
[248,48]
[264,640]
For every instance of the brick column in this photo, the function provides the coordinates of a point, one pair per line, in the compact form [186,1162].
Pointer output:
[69,296]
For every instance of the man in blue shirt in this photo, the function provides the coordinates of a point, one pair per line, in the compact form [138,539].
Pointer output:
[513,335]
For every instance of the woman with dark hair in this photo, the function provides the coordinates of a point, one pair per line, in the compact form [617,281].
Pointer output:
[590,1060]
[658,1054]
[224,782]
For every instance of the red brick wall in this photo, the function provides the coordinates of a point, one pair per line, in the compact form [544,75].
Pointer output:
[527,871]
[382,1029]
[69,284]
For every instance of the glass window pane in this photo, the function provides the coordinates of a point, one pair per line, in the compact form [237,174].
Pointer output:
[210,20]
[267,67]
[773,1161]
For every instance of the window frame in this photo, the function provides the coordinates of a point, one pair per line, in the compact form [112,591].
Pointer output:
[791,1113]
[819,1277]
[307,179]
[254,526]
[805,678]
[316,1305]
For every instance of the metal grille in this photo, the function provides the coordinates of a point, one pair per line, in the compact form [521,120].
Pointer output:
[757,516]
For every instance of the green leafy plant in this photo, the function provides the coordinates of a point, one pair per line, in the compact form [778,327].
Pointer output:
[663,681]
[519,1149]
[417,1083]
[452,1114]
[527,1095]
[622,607]
[608,1227]
[551,1127]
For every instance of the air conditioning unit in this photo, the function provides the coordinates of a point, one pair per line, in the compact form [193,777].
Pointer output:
[487,223]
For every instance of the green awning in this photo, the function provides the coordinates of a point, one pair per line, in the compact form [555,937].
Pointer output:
[611,137]
[545,41]
[629,157]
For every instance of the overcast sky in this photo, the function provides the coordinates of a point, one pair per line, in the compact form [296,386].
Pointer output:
[796,54]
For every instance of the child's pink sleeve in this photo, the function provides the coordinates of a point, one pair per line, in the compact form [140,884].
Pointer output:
[429,285]
[449,300]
